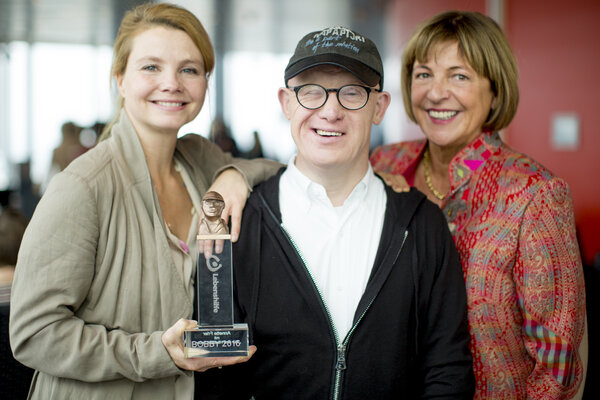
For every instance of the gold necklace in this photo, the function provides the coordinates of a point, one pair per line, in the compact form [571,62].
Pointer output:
[426,161]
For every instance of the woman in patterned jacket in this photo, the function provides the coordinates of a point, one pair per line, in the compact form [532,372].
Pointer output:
[511,218]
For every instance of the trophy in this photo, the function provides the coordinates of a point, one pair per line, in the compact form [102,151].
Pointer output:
[216,334]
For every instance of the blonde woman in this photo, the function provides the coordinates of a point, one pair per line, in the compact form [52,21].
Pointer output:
[105,280]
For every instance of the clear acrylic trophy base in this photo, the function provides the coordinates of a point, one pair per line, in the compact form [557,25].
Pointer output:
[216,341]
[216,334]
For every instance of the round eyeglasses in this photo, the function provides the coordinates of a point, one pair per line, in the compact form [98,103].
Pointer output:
[352,97]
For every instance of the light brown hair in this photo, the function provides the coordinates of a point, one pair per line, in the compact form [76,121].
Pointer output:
[482,44]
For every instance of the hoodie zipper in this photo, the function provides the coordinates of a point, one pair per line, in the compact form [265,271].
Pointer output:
[341,348]
[340,364]
[335,332]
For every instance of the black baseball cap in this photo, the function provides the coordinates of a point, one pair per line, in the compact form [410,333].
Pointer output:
[341,47]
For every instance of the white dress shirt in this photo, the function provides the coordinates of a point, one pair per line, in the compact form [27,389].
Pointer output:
[338,244]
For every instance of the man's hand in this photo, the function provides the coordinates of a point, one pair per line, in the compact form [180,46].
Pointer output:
[395,181]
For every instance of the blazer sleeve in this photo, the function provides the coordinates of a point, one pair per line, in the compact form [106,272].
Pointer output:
[551,293]
[54,272]
[446,361]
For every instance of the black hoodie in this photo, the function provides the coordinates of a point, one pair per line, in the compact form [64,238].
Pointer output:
[409,339]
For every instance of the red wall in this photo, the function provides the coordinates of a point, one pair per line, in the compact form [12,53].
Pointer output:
[557,45]
[408,13]
[558,50]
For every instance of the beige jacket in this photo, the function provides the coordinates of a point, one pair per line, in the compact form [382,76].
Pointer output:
[95,284]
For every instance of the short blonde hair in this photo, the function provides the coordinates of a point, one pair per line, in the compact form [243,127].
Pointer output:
[484,46]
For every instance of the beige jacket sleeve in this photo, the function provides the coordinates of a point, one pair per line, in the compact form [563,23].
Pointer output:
[207,159]
[54,273]
[255,170]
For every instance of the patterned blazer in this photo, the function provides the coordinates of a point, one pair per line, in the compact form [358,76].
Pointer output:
[513,224]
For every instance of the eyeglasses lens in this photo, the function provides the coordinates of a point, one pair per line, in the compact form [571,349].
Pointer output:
[352,97]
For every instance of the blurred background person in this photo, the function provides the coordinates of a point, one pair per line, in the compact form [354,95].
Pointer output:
[256,151]
[69,148]
[14,376]
[220,134]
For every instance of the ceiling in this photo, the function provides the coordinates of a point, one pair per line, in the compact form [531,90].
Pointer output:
[61,21]
[255,25]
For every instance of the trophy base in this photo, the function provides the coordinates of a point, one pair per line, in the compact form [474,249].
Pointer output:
[216,341]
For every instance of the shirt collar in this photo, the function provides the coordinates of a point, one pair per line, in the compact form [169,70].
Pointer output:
[309,192]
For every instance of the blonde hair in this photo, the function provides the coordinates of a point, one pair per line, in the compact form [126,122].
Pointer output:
[147,16]
[484,46]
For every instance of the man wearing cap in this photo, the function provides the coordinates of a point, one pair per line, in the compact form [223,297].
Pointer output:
[350,290]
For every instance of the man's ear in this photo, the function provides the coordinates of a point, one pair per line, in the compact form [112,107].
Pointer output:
[383,101]
[285,96]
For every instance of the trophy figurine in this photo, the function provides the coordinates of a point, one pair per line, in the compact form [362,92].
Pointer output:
[216,334]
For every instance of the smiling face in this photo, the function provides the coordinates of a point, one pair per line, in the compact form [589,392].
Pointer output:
[450,100]
[164,84]
[331,136]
